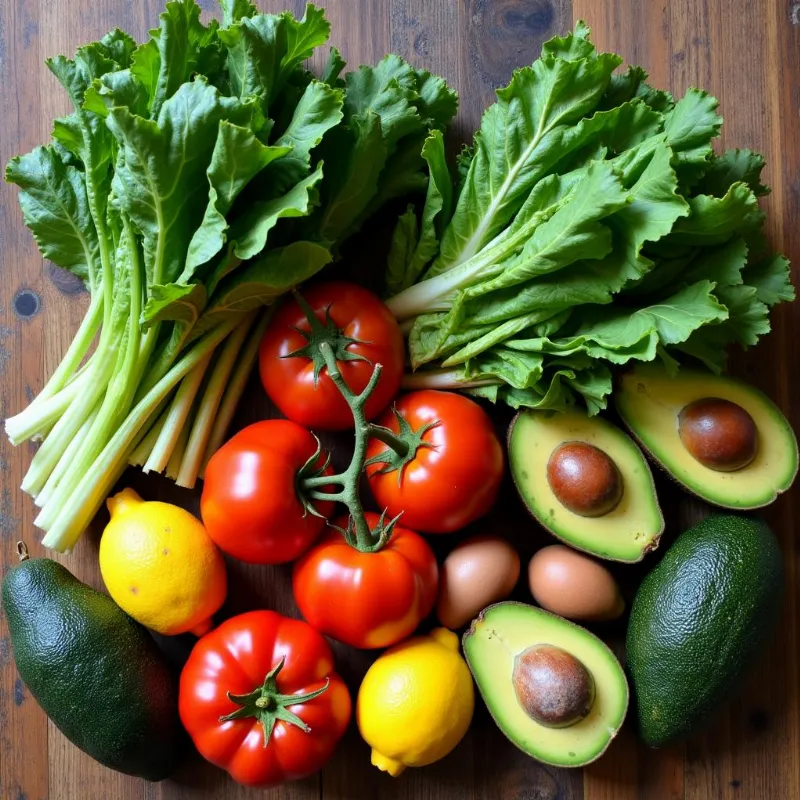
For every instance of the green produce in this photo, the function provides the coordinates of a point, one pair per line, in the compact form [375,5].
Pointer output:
[586,482]
[699,621]
[96,673]
[592,224]
[201,175]
[719,438]
[554,689]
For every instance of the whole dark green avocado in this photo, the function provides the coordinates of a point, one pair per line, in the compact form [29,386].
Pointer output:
[699,621]
[96,672]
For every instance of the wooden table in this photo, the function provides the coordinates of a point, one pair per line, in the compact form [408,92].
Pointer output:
[746,52]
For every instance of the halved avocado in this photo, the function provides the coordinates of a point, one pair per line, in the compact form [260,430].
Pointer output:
[497,646]
[630,528]
[651,403]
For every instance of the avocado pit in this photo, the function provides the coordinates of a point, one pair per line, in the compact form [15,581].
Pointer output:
[718,433]
[584,479]
[553,687]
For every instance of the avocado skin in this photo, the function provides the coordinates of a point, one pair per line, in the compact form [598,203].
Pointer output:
[95,672]
[699,621]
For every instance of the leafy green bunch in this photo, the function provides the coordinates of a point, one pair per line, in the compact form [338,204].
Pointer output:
[201,175]
[591,224]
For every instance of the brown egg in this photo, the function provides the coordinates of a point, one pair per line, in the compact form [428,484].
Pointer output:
[584,479]
[573,585]
[719,434]
[477,572]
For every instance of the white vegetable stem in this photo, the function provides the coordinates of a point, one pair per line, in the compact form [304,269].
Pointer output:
[235,389]
[96,483]
[443,379]
[201,429]
[176,418]
[67,459]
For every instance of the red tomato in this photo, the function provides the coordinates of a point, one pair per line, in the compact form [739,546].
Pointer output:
[455,478]
[370,331]
[250,505]
[367,600]
[244,699]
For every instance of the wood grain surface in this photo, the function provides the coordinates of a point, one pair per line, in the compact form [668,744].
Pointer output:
[747,53]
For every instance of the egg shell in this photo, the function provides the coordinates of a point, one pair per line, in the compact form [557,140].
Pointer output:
[573,585]
[477,572]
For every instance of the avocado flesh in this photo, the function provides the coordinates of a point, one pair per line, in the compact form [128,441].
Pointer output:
[630,529]
[649,402]
[698,622]
[492,643]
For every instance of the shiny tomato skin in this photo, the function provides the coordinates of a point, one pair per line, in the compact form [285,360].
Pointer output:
[235,658]
[249,503]
[367,600]
[289,382]
[453,482]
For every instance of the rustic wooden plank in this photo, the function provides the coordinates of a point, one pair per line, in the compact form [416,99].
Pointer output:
[23,727]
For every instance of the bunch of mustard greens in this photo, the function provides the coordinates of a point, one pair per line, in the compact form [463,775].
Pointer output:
[591,223]
[202,174]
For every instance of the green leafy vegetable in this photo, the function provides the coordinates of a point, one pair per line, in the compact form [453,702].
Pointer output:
[202,174]
[593,225]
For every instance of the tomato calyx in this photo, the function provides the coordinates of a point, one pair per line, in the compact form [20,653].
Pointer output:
[268,705]
[327,332]
[394,457]
[310,472]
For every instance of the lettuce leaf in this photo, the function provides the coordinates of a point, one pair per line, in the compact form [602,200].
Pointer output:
[593,225]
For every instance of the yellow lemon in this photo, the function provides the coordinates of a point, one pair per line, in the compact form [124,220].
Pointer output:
[415,703]
[160,566]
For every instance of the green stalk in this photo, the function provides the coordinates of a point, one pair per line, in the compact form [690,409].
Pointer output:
[65,462]
[207,411]
[37,420]
[117,400]
[174,466]
[235,389]
[358,534]
[77,350]
[444,379]
[156,365]
[98,480]
[176,417]
[67,427]
[147,443]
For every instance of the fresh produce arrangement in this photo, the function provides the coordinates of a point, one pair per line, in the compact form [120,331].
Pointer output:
[207,174]
[179,254]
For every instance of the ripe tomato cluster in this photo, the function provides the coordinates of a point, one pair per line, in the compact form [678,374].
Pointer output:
[332,359]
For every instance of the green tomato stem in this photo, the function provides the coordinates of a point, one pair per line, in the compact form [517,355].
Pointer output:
[400,446]
[358,534]
[268,705]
